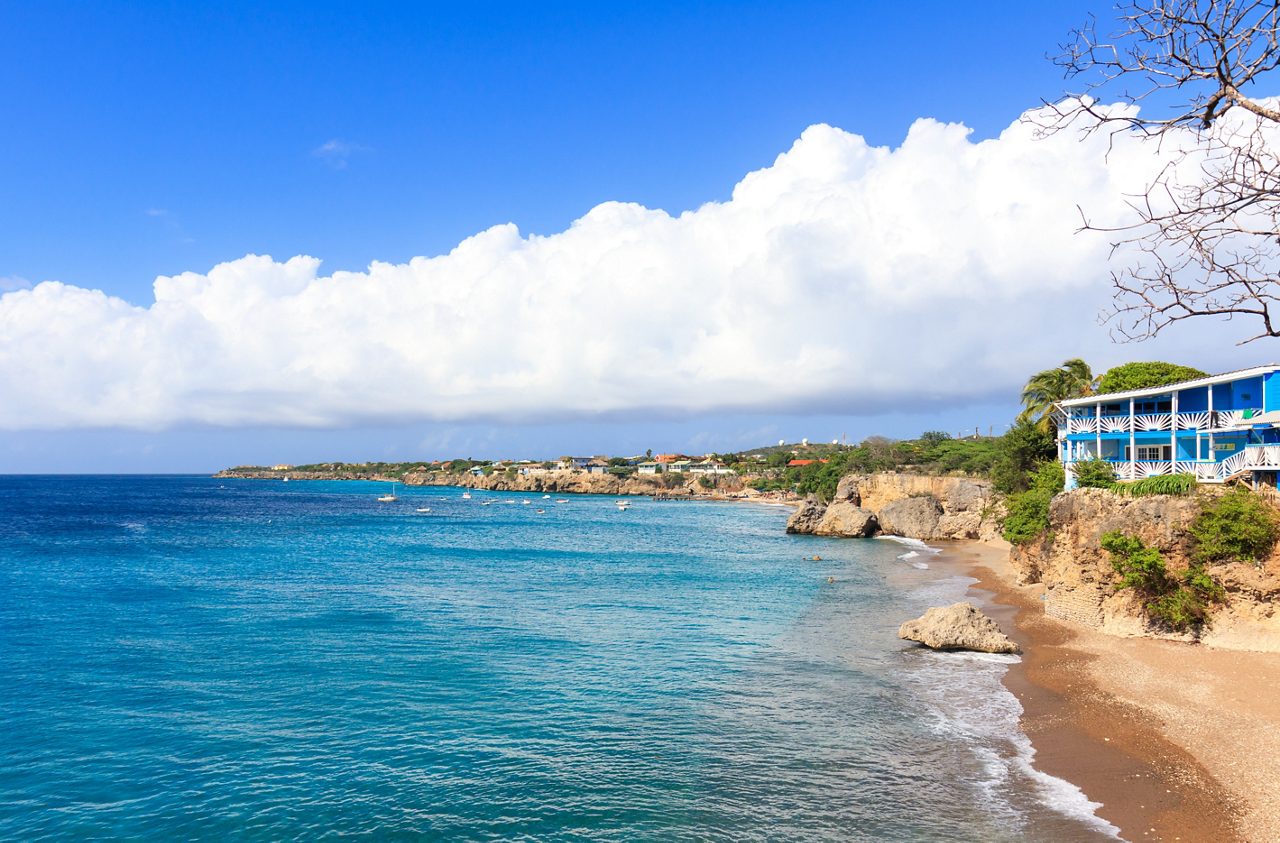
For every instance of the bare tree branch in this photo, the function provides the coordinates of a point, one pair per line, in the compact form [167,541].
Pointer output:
[1207,227]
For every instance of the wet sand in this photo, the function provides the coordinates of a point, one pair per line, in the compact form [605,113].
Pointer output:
[1177,741]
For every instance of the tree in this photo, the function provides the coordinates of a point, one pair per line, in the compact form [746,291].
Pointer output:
[1204,229]
[1020,453]
[1072,379]
[1144,375]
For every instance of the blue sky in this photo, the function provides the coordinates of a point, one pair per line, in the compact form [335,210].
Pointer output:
[150,139]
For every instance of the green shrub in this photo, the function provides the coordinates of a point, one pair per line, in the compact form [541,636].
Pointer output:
[1140,567]
[1179,604]
[1018,454]
[1028,511]
[1143,375]
[1239,526]
[1095,474]
[1162,484]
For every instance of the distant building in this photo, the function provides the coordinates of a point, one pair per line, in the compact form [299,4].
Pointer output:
[669,458]
[710,466]
[281,467]
[648,468]
[680,465]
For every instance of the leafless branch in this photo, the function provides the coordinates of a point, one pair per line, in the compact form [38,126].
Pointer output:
[1207,227]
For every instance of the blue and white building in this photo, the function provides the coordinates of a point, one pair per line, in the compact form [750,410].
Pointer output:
[1218,428]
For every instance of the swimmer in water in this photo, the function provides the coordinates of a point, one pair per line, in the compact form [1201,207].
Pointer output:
[831,580]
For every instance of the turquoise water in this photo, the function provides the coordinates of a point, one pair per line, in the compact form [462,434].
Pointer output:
[182,657]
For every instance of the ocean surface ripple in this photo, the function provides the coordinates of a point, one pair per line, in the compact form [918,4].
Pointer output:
[189,658]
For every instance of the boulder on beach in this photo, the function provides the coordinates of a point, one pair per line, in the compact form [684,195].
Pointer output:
[806,518]
[845,519]
[958,627]
[915,517]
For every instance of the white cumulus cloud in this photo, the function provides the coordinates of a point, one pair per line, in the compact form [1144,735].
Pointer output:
[842,278]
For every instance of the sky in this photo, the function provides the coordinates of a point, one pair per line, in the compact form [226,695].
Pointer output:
[311,232]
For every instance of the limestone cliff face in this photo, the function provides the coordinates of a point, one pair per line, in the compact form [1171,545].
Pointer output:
[909,505]
[1080,584]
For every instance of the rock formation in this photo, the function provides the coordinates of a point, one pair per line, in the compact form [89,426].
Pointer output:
[843,519]
[806,517]
[1081,585]
[915,517]
[913,506]
[957,627]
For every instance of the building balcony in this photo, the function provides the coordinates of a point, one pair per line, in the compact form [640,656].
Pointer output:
[1190,422]
[1251,458]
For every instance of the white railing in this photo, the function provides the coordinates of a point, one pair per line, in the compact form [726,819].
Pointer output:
[1233,418]
[1082,425]
[1263,456]
[1205,472]
[1156,421]
[1115,424]
[1193,421]
[1233,464]
[1151,469]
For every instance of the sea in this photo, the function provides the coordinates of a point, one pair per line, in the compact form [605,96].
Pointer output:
[190,658]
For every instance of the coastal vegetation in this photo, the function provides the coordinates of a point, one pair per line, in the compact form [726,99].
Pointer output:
[1027,515]
[934,452]
[1181,603]
[1161,484]
[1094,474]
[1236,527]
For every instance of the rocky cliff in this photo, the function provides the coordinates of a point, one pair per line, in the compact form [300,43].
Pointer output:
[909,505]
[1080,584]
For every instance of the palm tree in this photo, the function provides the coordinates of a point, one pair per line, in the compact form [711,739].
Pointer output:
[1073,379]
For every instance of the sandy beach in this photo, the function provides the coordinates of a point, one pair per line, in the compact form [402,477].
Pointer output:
[1178,742]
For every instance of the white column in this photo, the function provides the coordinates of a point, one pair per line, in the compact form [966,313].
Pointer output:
[1097,420]
[1173,433]
[1212,424]
[1133,446]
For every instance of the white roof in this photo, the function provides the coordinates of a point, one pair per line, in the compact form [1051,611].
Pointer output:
[1225,377]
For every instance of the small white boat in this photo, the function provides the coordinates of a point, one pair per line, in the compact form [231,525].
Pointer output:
[486,503]
[546,497]
[423,509]
[541,511]
[562,500]
[524,503]
[466,496]
[286,479]
[389,496]
[623,506]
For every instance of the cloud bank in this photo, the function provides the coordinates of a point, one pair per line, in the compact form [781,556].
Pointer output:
[842,278]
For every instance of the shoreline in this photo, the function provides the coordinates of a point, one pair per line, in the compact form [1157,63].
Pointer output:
[1107,715]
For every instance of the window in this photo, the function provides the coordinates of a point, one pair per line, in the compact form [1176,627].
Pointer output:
[1150,453]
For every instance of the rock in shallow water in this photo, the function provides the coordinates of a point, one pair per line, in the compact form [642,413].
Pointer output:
[805,519]
[847,520]
[958,627]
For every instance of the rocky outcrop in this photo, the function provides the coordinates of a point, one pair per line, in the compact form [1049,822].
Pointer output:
[843,519]
[915,517]
[958,627]
[806,517]
[909,505]
[1081,586]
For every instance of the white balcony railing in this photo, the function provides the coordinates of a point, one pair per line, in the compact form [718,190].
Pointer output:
[1202,421]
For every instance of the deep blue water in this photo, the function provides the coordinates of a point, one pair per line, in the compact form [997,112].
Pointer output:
[189,658]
